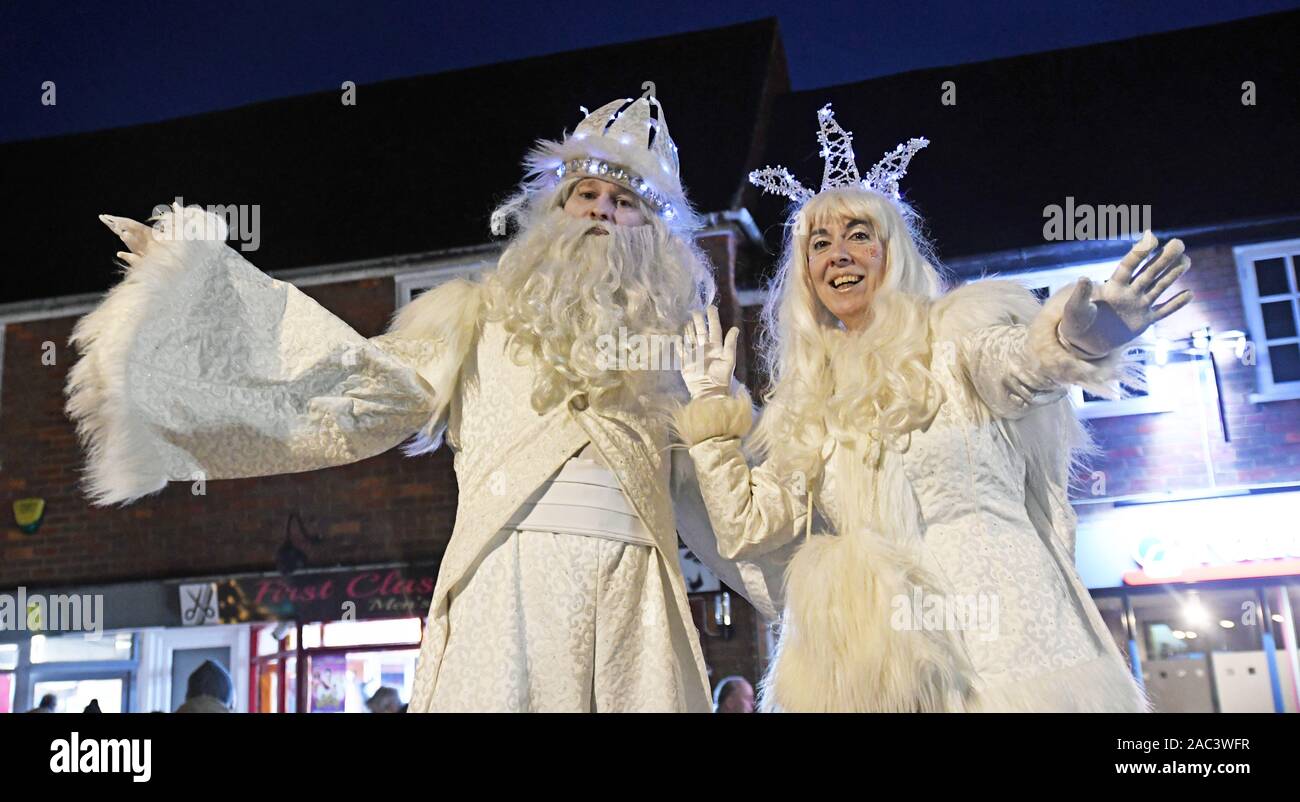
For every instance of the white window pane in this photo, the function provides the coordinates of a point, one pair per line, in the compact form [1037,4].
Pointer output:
[72,696]
[359,633]
[79,648]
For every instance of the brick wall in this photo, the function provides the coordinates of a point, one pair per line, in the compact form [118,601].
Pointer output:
[1165,451]
[387,508]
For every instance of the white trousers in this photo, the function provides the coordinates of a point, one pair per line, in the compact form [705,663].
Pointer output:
[561,623]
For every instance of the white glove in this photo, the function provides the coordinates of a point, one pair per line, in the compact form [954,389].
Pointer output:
[1096,323]
[707,361]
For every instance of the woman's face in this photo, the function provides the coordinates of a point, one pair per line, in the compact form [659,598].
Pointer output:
[605,202]
[846,264]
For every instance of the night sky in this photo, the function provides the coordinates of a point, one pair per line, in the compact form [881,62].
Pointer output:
[133,62]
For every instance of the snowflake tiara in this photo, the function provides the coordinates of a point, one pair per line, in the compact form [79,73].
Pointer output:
[841,166]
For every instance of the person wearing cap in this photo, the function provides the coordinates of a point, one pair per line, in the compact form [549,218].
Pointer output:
[560,588]
[210,690]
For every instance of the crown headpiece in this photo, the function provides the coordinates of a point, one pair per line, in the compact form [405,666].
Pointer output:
[626,142]
[841,168]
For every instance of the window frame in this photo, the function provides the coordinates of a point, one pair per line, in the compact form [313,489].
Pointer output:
[1245,257]
[407,284]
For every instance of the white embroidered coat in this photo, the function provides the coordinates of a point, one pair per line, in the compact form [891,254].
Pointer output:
[975,513]
[198,365]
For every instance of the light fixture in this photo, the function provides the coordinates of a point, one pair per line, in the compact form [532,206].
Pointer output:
[1190,634]
[1194,612]
[1226,624]
[1277,617]
[1179,634]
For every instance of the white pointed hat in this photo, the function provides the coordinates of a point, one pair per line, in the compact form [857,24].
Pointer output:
[626,142]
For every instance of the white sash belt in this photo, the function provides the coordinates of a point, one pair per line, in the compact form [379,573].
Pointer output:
[582,498]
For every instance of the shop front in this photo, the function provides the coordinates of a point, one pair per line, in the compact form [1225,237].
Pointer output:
[348,631]
[321,641]
[1201,594]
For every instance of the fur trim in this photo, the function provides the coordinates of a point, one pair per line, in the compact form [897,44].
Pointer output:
[995,301]
[705,418]
[839,650]
[449,314]
[1100,377]
[547,154]
[980,304]
[1103,685]
[122,463]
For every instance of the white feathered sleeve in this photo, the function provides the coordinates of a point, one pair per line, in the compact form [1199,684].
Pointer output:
[1006,344]
[199,366]
[742,523]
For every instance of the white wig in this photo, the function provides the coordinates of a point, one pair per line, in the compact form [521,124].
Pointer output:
[824,379]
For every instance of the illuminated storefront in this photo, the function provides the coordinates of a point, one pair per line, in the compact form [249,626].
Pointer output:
[351,631]
[1201,594]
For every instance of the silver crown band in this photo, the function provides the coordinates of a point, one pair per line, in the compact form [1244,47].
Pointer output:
[608,171]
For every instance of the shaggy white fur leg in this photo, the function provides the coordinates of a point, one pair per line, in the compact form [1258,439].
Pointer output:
[1103,685]
[704,418]
[1100,377]
[839,650]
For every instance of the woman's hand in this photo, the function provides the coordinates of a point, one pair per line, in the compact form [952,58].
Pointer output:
[1096,322]
[708,361]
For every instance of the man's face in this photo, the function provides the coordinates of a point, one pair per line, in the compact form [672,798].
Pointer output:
[605,202]
[740,699]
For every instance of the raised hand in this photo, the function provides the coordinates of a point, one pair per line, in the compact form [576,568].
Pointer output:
[1098,320]
[708,361]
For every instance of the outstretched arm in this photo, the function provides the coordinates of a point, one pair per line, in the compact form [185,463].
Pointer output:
[198,365]
[1031,355]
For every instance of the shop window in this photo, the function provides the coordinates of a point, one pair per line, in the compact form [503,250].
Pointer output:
[280,638]
[1269,275]
[1203,651]
[8,681]
[74,695]
[361,633]
[343,682]
[81,648]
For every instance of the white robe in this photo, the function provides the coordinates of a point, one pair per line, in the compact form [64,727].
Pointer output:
[972,509]
[199,366]
[552,622]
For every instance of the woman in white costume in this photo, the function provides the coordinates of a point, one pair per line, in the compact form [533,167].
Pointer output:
[560,588]
[932,433]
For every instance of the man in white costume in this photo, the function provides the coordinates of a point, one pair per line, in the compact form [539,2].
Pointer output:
[560,588]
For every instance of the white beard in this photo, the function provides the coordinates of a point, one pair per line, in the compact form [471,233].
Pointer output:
[559,289]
